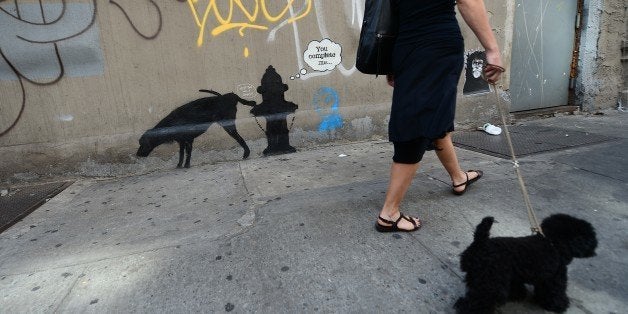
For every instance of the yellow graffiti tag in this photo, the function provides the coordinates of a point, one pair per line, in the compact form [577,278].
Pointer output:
[253,18]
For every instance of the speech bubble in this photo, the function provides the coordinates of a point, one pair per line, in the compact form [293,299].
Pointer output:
[246,90]
[302,72]
[323,55]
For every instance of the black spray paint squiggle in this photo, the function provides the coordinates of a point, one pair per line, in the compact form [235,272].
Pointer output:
[133,25]
[24,77]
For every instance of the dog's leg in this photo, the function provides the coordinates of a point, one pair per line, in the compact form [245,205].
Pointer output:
[517,291]
[181,148]
[188,148]
[477,302]
[231,130]
[485,292]
[552,294]
[462,306]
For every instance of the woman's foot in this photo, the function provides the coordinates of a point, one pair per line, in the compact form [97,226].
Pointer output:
[461,183]
[399,222]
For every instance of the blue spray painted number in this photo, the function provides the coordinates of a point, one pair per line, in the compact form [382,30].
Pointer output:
[326,103]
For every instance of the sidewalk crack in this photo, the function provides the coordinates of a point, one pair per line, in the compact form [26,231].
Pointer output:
[443,263]
[246,188]
[65,298]
[591,171]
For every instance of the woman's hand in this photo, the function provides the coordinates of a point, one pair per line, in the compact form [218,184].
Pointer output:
[391,80]
[493,70]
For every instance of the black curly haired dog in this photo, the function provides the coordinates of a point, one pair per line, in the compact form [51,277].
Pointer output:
[497,268]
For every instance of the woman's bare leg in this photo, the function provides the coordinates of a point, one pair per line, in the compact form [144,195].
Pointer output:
[401,176]
[447,156]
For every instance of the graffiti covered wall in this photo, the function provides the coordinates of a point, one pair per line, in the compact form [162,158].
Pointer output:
[86,83]
[86,80]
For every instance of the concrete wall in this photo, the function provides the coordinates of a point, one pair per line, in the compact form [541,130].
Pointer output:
[600,80]
[80,84]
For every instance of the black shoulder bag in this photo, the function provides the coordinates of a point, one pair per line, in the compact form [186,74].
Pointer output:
[377,38]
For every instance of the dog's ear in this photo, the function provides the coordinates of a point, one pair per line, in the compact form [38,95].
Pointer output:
[583,246]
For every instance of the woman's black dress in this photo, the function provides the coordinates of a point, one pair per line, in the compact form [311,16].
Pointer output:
[428,58]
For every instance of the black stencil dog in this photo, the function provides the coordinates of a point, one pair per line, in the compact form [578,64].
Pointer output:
[189,121]
[497,268]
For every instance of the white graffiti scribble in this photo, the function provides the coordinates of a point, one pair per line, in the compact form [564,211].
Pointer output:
[355,14]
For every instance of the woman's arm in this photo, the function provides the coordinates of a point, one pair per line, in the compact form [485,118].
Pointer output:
[474,14]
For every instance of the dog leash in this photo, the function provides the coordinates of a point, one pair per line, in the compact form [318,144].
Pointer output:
[261,128]
[534,223]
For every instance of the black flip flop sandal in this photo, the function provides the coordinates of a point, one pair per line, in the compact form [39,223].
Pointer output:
[393,224]
[467,183]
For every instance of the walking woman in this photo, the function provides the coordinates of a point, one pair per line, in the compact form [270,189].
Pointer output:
[427,61]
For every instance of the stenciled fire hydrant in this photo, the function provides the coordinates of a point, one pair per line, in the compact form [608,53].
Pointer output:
[275,109]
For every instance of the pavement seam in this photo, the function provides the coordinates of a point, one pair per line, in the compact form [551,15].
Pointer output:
[431,253]
[590,171]
[246,188]
[435,179]
[86,263]
[65,298]
[253,208]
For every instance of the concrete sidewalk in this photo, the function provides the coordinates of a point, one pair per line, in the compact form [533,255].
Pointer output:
[294,233]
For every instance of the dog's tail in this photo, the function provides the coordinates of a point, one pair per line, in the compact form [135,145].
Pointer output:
[210,91]
[483,229]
